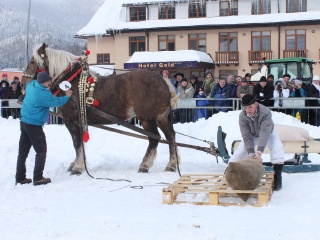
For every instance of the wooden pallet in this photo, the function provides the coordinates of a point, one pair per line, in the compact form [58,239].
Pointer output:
[212,189]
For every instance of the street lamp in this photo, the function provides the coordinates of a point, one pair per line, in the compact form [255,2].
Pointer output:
[27,37]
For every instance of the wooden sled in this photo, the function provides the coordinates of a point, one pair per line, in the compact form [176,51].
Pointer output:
[300,162]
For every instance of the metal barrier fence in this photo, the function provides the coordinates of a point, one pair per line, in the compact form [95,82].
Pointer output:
[188,111]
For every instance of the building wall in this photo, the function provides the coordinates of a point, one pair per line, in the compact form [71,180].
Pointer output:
[118,46]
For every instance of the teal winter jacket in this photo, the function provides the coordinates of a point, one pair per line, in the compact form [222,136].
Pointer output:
[35,106]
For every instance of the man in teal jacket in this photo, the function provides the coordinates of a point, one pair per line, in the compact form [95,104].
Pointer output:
[34,113]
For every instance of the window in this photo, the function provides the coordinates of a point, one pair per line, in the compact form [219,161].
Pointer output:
[137,44]
[260,7]
[228,7]
[197,8]
[226,73]
[137,14]
[296,6]
[228,42]
[295,39]
[261,41]
[166,43]
[167,12]
[103,58]
[198,42]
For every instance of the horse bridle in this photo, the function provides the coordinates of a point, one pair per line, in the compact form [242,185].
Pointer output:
[36,69]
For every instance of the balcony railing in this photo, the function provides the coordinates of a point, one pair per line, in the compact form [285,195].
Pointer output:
[259,56]
[227,58]
[294,53]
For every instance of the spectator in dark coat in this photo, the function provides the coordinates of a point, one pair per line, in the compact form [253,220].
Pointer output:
[222,90]
[195,84]
[263,91]
[299,91]
[14,93]
[178,76]
[202,112]
[233,86]
[314,92]
[4,87]
[270,79]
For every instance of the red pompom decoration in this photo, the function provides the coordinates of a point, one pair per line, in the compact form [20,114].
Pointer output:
[90,80]
[95,103]
[85,137]
[87,52]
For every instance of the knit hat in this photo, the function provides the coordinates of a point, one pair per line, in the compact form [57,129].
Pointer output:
[263,79]
[244,80]
[297,81]
[316,78]
[43,77]
[184,80]
[248,99]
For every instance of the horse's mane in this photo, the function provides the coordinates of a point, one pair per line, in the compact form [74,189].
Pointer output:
[58,60]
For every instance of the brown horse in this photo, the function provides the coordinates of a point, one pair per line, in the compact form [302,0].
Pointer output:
[139,93]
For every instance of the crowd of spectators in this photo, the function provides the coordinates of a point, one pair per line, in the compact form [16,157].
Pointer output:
[9,90]
[215,94]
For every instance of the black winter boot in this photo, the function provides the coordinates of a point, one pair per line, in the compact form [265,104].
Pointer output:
[277,177]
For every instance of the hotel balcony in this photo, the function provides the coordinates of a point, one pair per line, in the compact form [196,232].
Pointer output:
[258,57]
[295,53]
[227,58]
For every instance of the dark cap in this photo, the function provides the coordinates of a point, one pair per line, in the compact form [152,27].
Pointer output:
[200,89]
[179,73]
[287,75]
[43,77]
[193,77]
[244,80]
[184,80]
[271,76]
[247,75]
[263,79]
[248,99]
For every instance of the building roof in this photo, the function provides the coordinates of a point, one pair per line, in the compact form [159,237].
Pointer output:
[111,18]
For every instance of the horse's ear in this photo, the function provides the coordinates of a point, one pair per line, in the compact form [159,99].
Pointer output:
[42,49]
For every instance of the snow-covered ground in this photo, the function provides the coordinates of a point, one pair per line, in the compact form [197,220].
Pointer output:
[79,207]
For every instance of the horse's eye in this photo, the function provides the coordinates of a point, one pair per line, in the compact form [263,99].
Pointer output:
[32,61]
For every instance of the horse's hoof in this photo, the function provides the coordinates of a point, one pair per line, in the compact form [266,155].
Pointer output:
[170,169]
[143,170]
[75,172]
[70,169]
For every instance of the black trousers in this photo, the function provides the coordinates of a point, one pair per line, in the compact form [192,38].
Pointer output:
[31,135]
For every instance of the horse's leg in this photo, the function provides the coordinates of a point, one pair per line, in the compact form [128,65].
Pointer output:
[77,166]
[151,153]
[170,134]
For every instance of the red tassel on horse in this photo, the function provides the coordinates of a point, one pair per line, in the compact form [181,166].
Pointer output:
[96,103]
[87,52]
[85,137]
[90,80]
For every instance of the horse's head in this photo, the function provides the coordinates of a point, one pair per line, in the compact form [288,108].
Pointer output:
[38,63]
[46,59]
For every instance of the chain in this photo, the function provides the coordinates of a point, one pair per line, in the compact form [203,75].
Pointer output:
[202,140]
